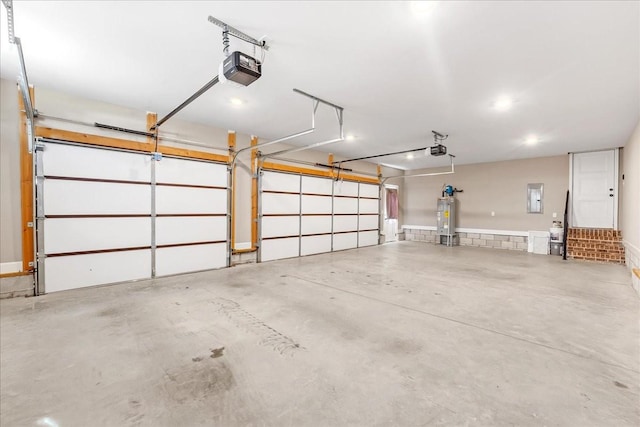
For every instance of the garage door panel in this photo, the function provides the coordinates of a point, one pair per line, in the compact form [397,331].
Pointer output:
[188,200]
[345,188]
[369,206]
[277,226]
[183,259]
[345,223]
[172,230]
[79,271]
[316,224]
[328,209]
[316,205]
[315,245]
[345,241]
[64,197]
[87,162]
[368,222]
[191,172]
[64,235]
[274,181]
[317,185]
[367,238]
[280,203]
[369,190]
[273,249]
[108,217]
[345,205]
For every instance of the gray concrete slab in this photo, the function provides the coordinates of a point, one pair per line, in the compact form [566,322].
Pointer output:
[402,334]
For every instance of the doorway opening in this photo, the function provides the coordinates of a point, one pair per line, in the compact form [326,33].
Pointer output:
[594,189]
[391,213]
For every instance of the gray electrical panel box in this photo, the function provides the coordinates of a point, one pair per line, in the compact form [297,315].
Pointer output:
[446,221]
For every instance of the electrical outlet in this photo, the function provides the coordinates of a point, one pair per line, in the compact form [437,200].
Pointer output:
[493,213]
[555,215]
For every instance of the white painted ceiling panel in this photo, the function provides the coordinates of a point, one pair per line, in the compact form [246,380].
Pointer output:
[570,67]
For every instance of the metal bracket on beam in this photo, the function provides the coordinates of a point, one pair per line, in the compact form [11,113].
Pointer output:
[23,81]
[8,4]
[315,98]
[316,101]
[238,34]
[452,171]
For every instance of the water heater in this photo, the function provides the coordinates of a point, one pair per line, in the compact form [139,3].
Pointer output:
[446,220]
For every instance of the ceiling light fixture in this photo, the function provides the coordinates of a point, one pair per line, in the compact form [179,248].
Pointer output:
[350,137]
[236,101]
[423,8]
[503,103]
[410,156]
[531,140]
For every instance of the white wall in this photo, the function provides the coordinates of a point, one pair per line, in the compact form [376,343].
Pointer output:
[630,218]
[10,228]
[499,187]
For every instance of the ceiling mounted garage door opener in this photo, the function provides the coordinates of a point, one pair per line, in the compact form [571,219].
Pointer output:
[237,67]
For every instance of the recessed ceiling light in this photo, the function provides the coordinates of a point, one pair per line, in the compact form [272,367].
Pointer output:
[423,8]
[503,103]
[531,140]
[350,137]
[409,156]
[236,101]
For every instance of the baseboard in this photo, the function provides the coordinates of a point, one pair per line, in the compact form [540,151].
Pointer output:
[10,267]
[632,260]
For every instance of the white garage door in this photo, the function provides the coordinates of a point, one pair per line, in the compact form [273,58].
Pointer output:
[368,211]
[107,216]
[305,215]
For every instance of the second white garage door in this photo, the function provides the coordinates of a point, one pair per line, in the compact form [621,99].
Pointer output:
[303,215]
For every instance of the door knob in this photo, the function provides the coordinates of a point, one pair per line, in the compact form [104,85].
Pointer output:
[611,189]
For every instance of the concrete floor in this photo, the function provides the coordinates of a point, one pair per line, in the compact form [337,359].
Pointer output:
[403,334]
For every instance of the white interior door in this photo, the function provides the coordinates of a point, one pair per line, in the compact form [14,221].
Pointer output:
[595,193]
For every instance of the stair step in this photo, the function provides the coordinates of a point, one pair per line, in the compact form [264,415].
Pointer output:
[596,247]
[602,239]
[593,244]
[593,233]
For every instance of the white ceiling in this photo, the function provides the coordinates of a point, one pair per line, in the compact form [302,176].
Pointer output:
[572,69]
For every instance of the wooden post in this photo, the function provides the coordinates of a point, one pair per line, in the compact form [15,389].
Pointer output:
[231,140]
[26,188]
[331,163]
[254,193]
[152,119]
